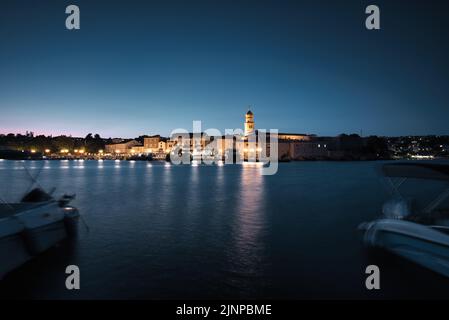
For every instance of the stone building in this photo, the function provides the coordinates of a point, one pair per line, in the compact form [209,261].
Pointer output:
[151,144]
[122,147]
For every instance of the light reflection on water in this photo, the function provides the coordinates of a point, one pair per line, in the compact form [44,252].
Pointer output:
[248,247]
[164,231]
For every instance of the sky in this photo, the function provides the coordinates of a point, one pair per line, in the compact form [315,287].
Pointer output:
[149,67]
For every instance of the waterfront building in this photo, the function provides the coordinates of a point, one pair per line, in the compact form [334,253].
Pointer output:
[301,150]
[162,146]
[295,136]
[151,144]
[138,150]
[122,147]
[169,145]
[291,146]
[189,141]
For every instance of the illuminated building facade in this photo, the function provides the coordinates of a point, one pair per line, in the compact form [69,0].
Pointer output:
[249,123]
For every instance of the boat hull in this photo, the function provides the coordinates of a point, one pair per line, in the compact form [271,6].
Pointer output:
[13,251]
[44,227]
[418,243]
[44,237]
[71,221]
[30,228]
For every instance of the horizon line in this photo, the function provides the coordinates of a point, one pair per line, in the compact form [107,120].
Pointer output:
[158,134]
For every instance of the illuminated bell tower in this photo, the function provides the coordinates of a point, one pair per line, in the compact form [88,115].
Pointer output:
[249,123]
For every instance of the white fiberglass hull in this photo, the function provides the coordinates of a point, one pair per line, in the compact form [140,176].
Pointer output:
[30,228]
[44,227]
[13,251]
[418,243]
[44,237]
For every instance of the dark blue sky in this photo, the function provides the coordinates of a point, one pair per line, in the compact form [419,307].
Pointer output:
[146,67]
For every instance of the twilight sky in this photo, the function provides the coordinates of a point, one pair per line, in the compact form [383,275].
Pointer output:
[147,67]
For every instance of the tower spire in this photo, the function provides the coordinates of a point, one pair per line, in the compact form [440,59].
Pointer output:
[249,122]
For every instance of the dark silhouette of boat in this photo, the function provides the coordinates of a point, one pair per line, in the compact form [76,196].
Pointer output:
[420,235]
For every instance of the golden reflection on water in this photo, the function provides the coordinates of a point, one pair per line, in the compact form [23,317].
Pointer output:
[250,223]
[167,195]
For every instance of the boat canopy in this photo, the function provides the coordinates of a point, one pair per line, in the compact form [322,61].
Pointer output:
[431,171]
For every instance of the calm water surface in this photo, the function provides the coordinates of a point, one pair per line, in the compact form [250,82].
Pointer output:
[160,232]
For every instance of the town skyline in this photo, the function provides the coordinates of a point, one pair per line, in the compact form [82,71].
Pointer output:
[83,135]
[153,133]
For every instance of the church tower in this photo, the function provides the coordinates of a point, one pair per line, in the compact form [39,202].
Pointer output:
[249,123]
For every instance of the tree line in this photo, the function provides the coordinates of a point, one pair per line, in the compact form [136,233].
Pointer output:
[41,143]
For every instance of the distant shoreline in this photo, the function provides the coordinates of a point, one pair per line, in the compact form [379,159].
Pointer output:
[291,161]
